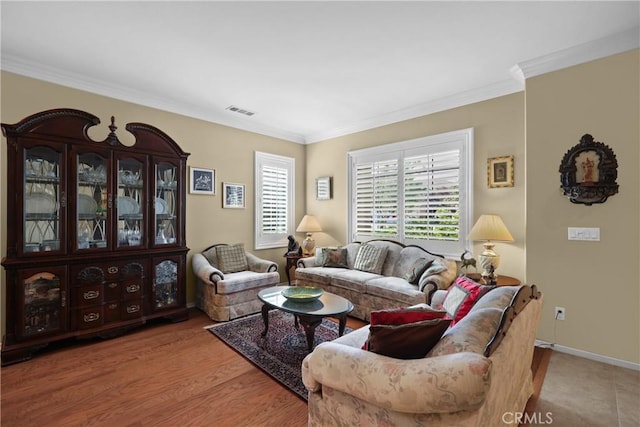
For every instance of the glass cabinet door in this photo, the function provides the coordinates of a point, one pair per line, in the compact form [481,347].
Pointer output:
[165,283]
[130,202]
[166,186]
[43,191]
[43,298]
[92,213]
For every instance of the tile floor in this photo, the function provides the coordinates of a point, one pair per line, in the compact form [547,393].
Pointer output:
[586,393]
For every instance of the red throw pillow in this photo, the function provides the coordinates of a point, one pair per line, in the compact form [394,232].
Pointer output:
[461,297]
[401,316]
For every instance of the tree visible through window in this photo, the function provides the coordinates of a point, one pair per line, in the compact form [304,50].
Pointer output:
[416,192]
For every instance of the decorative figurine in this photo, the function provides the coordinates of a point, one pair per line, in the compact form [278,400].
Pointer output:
[294,247]
[467,262]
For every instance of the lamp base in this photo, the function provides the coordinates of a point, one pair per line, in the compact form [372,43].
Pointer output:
[308,245]
[489,261]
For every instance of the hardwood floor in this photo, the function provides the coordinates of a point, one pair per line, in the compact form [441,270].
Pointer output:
[162,374]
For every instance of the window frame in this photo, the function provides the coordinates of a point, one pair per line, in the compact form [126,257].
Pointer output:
[262,160]
[461,139]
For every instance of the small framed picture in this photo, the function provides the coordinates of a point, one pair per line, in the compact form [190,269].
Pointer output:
[323,188]
[232,195]
[203,181]
[500,172]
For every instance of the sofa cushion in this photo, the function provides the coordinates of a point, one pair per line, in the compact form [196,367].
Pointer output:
[413,274]
[332,257]
[461,297]
[408,341]
[403,315]
[498,298]
[471,334]
[354,280]
[370,258]
[395,289]
[232,258]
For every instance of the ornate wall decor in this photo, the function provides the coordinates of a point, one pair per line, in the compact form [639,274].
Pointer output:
[588,172]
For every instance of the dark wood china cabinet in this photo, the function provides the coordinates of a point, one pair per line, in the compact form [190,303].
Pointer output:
[95,230]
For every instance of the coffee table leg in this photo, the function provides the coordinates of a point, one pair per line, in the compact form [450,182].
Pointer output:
[310,323]
[265,319]
[342,324]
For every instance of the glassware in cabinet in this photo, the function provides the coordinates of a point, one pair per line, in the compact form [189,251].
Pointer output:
[130,202]
[166,187]
[92,204]
[43,192]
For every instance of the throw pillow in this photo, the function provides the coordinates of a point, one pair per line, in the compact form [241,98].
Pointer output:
[370,258]
[232,258]
[409,341]
[401,316]
[333,257]
[461,297]
[416,270]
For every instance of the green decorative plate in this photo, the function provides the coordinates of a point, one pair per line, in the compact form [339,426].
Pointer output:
[302,293]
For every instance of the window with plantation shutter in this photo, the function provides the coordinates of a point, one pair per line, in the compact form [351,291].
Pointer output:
[274,200]
[417,192]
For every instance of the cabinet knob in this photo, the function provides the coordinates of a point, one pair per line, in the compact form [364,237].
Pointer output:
[133,309]
[133,288]
[91,295]
[91,317]
[112,270]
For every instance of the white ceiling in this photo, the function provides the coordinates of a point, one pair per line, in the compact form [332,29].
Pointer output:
[309,70]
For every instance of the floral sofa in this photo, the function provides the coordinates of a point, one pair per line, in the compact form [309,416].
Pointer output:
[229,279]
[400,276]
[476,373]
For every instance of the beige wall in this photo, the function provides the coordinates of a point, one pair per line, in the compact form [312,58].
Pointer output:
[229,151]
[597,282]
[498,131]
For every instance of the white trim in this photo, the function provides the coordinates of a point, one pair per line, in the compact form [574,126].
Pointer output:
[274,160]
[457,100]
[588,355]
[579,54]
[464,138]
[66,78]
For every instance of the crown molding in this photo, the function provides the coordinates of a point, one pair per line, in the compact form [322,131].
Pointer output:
[495,90]
[607,46]
[46,73]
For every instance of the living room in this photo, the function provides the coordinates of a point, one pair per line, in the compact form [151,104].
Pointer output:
[537,125]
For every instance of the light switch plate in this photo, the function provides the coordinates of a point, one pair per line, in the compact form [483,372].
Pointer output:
[584,233]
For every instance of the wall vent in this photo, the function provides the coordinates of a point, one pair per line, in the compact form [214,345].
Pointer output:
[240,110]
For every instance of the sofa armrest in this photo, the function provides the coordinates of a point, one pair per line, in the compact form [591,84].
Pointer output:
[306,262]
[442,384]
[205,271]
[260,265]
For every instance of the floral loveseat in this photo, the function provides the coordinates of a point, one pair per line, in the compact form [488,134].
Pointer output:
[477,374]
[400,276]
[229,279]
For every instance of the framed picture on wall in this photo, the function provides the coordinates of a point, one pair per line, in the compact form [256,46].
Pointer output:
[202,181]
[500,172]
[233,195]
[323,188]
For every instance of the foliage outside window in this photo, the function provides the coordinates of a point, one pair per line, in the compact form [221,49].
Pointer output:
[417,192]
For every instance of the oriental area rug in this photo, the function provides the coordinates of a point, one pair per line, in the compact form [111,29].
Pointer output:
[281,352]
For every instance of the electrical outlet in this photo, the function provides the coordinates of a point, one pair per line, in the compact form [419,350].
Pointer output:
[559,313]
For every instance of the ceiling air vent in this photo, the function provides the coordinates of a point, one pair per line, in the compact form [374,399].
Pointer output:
[240,110]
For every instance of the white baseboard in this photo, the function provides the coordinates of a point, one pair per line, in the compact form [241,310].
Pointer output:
[588,355]
[191,304]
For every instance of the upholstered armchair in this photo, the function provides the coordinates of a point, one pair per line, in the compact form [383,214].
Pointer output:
[229,279]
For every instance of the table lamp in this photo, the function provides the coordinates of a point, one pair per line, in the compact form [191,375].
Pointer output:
[489,228]
[309,224]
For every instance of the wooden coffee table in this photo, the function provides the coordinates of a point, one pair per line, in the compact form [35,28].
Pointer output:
[310,314]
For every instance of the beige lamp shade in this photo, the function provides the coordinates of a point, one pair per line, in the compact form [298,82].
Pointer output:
[309,224]
[490,228]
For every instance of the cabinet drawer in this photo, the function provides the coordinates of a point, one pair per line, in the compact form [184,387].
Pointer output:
[112,291]
[85,296]
[112,311]
[131,289]
[131,309]
[85,318]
